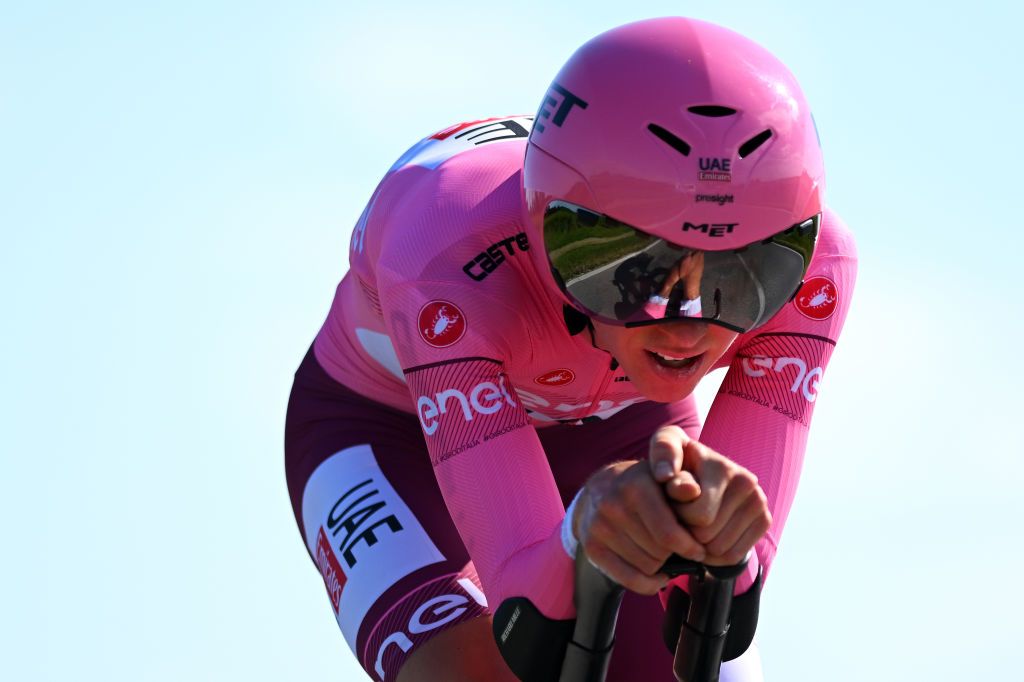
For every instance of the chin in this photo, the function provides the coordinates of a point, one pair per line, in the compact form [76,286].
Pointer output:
[660,392]
[664,385]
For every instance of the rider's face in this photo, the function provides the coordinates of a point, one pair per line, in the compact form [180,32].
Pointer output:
[659,379]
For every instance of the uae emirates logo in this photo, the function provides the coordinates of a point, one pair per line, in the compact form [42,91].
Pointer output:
[441,323]
[714,169]
[330,569]
[556,377]
[817,298]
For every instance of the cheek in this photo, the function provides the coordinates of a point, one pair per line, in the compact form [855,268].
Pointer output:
[721,339]
[620,341]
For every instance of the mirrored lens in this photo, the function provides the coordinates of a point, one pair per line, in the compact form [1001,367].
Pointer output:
[622,275]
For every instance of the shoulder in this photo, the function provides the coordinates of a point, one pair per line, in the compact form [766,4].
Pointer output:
[485,142]
[458,168]
[451,196]
[818,309]
[835,238]
[452,251]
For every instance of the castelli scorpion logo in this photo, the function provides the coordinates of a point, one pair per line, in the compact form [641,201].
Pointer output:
[556,377]
[817,298]
[441,323]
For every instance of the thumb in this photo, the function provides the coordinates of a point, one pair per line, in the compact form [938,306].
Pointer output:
[682,488]
[666,452]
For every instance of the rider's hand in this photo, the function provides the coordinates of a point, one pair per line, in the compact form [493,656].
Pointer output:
[627,527]
[729,513]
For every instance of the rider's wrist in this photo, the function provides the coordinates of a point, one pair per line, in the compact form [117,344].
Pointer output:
[569,541]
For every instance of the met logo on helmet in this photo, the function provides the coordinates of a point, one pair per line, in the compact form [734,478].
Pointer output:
[484,398]
[710,229]
[557,95]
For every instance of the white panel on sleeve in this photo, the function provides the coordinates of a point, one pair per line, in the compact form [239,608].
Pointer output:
[356,524]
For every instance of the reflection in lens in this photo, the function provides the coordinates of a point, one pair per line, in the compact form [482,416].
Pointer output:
[623,275]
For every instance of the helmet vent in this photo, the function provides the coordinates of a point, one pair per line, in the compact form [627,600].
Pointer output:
[748,147]
[711,110]
[670,139]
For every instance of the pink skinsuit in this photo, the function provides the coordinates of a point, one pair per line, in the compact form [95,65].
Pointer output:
[444,314]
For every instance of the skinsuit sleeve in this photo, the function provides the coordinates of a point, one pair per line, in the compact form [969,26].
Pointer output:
[762,413]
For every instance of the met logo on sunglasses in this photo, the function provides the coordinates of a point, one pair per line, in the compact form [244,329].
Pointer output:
[710,229]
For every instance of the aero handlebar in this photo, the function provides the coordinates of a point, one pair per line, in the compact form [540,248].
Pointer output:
[701,640]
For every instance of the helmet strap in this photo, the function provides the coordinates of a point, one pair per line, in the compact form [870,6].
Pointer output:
[575,321]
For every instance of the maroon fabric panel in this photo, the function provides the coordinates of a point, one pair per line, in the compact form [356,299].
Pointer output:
[325,417]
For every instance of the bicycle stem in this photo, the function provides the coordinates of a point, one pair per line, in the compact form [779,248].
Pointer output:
[701,639]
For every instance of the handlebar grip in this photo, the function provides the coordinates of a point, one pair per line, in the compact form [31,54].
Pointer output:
[597,598]
[702,637]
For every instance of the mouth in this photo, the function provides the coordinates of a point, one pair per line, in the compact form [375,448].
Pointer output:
[675,361]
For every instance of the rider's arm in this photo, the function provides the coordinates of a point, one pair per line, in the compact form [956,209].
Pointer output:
[487,458]
[761,415]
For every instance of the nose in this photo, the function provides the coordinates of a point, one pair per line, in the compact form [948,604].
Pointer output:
[687,333]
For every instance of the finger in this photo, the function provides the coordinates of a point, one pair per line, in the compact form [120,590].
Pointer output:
[621,572]
[626,539]
[675,274]
[666,452]
[692,269]
[738,551]
[649,520]
[665,531]
[740,489]
[713,479]
[636,523]
[753,513]
[682,487]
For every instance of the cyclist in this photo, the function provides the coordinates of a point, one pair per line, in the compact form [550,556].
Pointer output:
[529,306]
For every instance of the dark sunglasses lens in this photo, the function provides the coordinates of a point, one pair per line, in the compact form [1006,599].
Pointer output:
[623,275]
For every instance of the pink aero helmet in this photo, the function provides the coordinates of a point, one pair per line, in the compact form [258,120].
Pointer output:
[672,133]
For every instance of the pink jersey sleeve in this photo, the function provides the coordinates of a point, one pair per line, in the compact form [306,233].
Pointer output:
[489,462]
[762,413]
[454,342]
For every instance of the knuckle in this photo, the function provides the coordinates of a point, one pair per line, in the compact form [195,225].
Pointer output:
[667,535]
[717,548]
[597,532]
[684,543]
[659,447]
[711,456]
[665,435]
[631,494]
[643,586]
[701,518]
[650,566]
[744,480]
[703,535]
[607,509]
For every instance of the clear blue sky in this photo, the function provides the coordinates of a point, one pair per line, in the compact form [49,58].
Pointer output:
[178,182]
